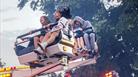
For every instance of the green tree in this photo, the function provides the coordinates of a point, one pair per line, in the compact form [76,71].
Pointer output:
[118,30]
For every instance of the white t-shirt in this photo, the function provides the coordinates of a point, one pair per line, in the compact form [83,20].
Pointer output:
[62,23]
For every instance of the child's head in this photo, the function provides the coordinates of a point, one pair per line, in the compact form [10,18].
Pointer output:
[57,15]
[78,21]
[44,20]
[62,11]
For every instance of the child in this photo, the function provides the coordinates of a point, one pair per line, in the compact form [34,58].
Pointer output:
[44,22]
[90,38]
[61,15]
[78,32]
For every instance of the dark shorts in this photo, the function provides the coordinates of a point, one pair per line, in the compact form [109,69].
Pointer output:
[78,34]
[43,32]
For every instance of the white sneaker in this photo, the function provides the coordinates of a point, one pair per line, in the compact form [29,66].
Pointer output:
[38,50]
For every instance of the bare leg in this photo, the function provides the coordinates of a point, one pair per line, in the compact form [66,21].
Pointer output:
[46,37]
[78,43]
[36,41]
[82,42]
[52,37]
[41,38]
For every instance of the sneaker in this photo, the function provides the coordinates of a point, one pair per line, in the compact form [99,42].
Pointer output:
[38,51]
[42,58]
[97,55]
[91,55]
[79,49]
[85,48]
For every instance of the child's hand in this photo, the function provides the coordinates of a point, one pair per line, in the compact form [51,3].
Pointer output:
[30,32]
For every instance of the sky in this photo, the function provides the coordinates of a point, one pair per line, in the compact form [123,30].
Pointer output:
[12,21]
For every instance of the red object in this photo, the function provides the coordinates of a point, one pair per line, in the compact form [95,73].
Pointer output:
[67,74]
[13,68]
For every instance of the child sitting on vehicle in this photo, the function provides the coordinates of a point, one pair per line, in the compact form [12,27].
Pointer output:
[78,33]
[44,22]
[90,38]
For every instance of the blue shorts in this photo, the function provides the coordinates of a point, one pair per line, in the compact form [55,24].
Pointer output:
[78,34]
[43,32]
